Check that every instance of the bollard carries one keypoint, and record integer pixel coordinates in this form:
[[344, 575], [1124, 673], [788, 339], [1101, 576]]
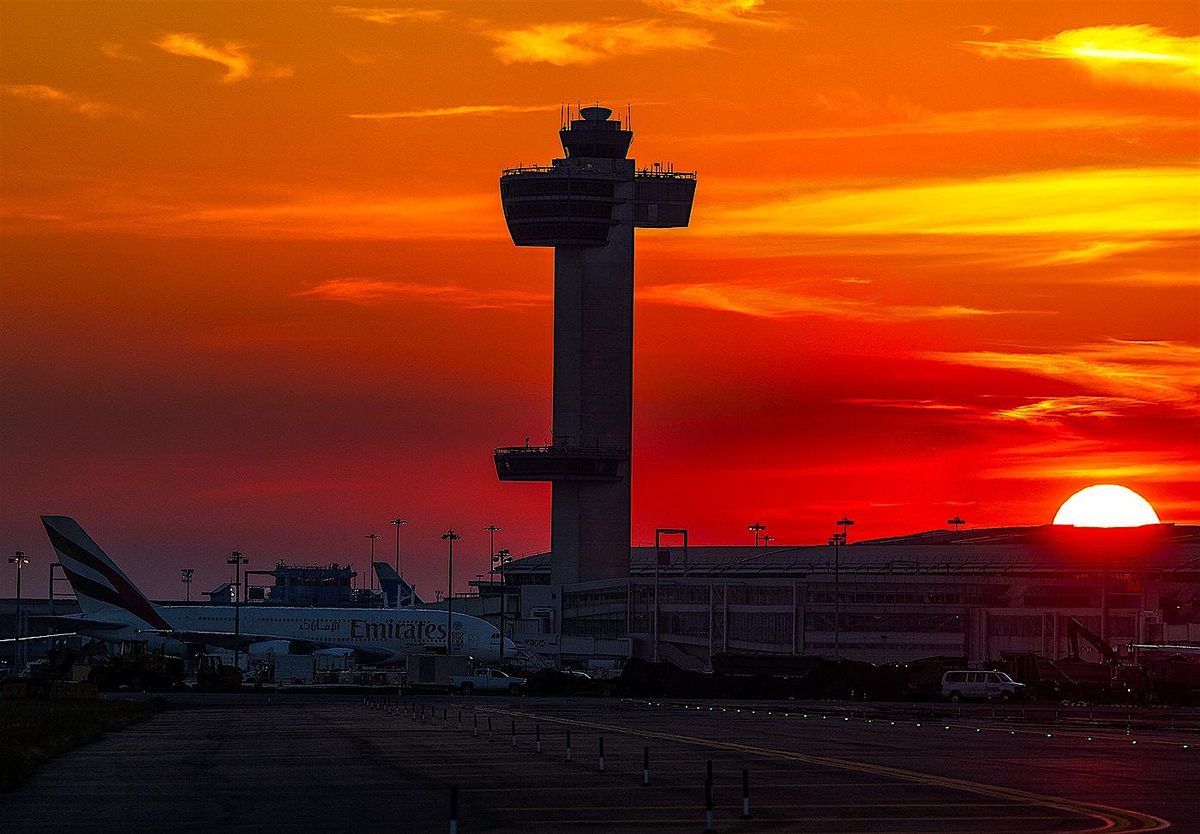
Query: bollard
[[491, 732], [537, 735], [646, 765], [475, 729], [514, 734], [568, 757], [460, 719], [708, 805], [745, 793], [445, 719], [454, 809], [601, 762]]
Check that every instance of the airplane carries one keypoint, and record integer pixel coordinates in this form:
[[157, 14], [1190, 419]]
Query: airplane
[[114, 609], [392, 584]]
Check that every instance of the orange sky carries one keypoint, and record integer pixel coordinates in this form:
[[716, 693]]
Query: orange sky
[[258, 294]]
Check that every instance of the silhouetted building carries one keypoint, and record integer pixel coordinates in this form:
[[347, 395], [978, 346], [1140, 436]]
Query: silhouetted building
[[975, 594], [587, 206]]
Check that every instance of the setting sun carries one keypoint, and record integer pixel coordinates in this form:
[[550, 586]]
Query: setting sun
[[1106, 505]]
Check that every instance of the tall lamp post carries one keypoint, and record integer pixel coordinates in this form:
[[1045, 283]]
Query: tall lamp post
[[491, 530], [837, 541], [955, 522], [767, 539], [237, 559], [398, 523], [450, 537], [20, 560], [502, 558], [185, 576], [373, 537], [756, 528]]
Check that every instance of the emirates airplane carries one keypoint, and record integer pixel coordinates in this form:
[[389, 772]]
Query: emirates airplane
[[114, 609]]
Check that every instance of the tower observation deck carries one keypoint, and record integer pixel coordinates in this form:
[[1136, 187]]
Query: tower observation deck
[[586, 206]]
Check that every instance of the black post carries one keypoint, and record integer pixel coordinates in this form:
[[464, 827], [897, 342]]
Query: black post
[[568, 756], [491, 734], [601, 762], [514, 734], [646, 765], [454, 809], [537, 735], [745, 793], [708, 801]]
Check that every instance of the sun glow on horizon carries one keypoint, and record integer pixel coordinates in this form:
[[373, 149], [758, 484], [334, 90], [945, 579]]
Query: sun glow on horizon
[[1106, 505]]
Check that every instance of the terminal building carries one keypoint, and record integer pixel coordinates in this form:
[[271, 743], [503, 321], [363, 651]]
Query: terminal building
[[971, 594]]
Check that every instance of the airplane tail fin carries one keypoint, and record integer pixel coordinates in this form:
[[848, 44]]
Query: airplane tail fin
[[392, 585], [99, 585]]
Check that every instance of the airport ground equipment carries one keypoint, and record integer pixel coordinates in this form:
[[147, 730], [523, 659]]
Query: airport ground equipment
[[488, 680]]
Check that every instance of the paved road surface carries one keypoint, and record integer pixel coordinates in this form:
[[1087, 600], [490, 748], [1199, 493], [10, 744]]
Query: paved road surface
[[323, 763]]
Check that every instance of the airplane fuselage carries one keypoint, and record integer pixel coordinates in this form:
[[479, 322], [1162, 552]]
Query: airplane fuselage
[[392, 632]]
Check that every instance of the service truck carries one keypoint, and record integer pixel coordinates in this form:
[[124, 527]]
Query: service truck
[[488, 680]]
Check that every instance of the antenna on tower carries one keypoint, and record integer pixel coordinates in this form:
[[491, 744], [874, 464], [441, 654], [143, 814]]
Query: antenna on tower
[[628, 116]]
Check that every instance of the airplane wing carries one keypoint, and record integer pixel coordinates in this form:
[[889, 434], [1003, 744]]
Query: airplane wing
[[38, 637], [77, 623], [243, 640]]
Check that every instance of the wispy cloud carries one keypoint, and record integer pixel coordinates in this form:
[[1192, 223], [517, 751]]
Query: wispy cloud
[[390, 16], [238, 63], [1093, 251], [744, 12], [783, 302], [993, 120], [1112, 202], [1162, 372], [1092, 463], [1143, 54], [906, 404], [306, 215], [374, 291], [562, 44], [1054, 411], [93, 108], [458, 110], [118, 52]]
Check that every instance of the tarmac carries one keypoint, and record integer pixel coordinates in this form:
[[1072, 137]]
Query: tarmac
[[299, 762]]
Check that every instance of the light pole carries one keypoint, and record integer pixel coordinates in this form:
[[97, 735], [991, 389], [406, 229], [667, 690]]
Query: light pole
[[20, 560], [371, 569], [236, 558], [450, 537], [756, 528], [838, 540], [955, 522], [491, 530], [185, 576], [398, 523], [501, 559], [767, 540]]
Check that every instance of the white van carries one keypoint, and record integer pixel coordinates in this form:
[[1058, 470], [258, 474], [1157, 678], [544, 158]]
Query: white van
[[984, 686]]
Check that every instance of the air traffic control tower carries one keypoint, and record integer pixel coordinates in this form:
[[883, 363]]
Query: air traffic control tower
[[586, 206]]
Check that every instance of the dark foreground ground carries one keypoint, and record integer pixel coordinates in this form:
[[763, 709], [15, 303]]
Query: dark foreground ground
[[328, 763]]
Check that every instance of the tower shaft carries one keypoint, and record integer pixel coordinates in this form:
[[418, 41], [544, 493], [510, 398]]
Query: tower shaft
[[587, 206]]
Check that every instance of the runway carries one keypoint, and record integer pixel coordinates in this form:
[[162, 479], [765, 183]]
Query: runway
[[316, 763]]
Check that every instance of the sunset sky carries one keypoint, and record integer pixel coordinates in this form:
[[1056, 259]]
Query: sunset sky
[[257, 292]]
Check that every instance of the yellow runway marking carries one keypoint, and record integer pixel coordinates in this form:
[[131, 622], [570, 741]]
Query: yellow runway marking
[[1111, 819]]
